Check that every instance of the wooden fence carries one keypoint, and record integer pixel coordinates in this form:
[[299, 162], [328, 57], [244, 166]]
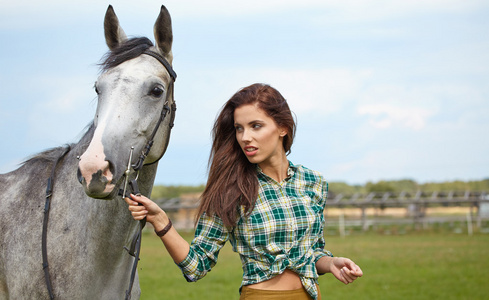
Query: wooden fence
[[420, 209], [372, 209]]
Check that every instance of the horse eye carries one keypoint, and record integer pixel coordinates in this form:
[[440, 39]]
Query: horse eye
[[156, 92], [96, 89]]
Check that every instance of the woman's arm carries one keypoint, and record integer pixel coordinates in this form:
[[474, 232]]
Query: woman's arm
[[344, 269], [177, 247]]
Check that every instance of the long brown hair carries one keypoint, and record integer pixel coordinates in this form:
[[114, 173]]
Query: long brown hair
[[232, 180]]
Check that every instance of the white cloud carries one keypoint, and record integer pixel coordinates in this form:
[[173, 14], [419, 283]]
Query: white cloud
[[11, 164], [64, 94], [68, 106], [360, 11], [346, 10], [407, 105], [378, 164], [70, 101], [383, 116], [33, 12], [324, 91]]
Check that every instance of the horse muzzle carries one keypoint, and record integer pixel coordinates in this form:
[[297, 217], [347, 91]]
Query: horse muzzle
[[96, 176]]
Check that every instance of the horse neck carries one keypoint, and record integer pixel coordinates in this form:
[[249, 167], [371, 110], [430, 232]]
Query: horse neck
[[146, 179]]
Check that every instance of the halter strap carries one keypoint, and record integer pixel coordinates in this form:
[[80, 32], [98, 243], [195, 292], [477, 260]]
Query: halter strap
[[139, 164], [164, 62], [47, 206]]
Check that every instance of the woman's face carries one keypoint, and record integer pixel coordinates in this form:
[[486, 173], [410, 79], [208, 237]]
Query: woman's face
[[258, 135]]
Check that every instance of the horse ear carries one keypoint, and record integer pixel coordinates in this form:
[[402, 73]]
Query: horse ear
[[114, 35], [163, 32]]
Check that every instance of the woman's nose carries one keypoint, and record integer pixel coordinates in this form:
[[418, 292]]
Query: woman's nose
[[246, 136]]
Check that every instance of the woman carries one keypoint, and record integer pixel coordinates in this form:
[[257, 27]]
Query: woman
[[268, 208]]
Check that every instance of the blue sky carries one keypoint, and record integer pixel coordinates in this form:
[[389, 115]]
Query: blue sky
[[382, 90]]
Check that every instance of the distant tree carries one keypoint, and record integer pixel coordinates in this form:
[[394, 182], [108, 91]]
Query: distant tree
[[338, 187], [404, 185], [482, 185], [381, 186], [174, 191]]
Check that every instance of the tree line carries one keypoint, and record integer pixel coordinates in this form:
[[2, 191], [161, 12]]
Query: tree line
[[395, 186], [410, 186]]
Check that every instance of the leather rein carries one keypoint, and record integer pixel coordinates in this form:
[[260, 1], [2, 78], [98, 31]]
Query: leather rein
[[135, 247]]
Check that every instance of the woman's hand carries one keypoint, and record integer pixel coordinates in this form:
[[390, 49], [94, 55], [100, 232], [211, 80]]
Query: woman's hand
[[149, 210], [174, 243], [344, 269]]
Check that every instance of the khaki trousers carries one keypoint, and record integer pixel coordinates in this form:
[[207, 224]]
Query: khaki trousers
[[256, 294]]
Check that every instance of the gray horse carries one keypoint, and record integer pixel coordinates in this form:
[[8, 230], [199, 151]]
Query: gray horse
[[86, 237]]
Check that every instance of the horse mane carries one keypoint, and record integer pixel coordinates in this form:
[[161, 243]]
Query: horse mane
[[49, 155], [52, 154], [129, 49]]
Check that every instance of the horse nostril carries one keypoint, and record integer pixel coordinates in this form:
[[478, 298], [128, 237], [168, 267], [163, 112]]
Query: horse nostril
[[79, 175], [109, 170]]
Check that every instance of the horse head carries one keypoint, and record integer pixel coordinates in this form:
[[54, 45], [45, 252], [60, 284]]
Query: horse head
[[135, 91]]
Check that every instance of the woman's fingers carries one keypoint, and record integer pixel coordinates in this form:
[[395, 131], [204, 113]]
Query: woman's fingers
[[142, 207], [138, 216], [348, 270], [354, 268], [348, 275], [133, 205], [357, 271], [130, 201], [138, 212], [136, 200]]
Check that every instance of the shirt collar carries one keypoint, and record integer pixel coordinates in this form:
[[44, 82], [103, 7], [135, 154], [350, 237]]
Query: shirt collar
[[290, 171]]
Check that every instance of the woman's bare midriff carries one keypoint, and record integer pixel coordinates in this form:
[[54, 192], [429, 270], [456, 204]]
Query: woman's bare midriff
[[286, 281]]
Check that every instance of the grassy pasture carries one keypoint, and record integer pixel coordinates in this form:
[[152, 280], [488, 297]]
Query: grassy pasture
[[423, 265]]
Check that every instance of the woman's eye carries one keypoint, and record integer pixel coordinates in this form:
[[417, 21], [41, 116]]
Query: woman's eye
[[256, 126], [156, 92]]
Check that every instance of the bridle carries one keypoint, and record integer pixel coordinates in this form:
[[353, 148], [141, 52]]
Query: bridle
[[135, 247], [139, 164]]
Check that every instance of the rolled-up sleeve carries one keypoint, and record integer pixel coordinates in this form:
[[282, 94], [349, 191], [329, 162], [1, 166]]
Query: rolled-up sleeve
[[318, 247], [210, 237]]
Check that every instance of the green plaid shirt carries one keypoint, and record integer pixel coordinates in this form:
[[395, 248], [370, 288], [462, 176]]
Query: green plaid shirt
[[284, 231]]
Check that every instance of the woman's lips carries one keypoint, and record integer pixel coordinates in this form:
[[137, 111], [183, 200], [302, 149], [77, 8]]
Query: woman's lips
[[250, 151]]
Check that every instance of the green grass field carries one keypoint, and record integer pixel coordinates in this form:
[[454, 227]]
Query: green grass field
[[412, 266]]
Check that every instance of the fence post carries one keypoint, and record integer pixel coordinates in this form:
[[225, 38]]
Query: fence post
[[364, 219], [341, 222]]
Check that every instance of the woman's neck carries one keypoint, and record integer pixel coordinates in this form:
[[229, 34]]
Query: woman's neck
[[276, 169]]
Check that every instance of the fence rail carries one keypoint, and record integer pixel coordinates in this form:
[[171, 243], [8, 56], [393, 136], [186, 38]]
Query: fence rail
[[404, 198], [367, 210]]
